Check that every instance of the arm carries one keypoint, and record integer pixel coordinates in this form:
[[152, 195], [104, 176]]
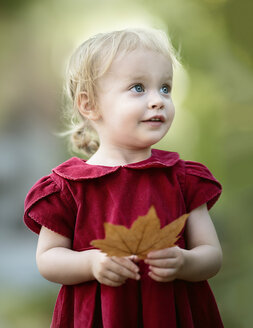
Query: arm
[[201, 261], [57, 262]]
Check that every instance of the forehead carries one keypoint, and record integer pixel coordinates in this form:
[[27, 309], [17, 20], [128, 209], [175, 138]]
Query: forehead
[[140, 62]]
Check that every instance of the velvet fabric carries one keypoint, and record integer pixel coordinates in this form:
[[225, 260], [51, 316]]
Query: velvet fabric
[[77, 198]]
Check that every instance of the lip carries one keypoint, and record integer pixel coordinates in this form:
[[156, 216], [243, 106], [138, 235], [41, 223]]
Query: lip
[[159, 118]]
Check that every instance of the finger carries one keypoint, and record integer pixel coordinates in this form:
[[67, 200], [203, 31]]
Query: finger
[[126, 263], [162, 263], [134, 258], [115, 277], [122, 270], [162, 274], [163, 253], [111, 283], [158, 278]]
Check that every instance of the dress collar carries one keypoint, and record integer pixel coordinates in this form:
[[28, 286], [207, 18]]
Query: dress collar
[[77, 169]]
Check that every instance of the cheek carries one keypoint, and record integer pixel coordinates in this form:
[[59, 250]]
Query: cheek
[[119, 121], [171, 111], [127, 114]]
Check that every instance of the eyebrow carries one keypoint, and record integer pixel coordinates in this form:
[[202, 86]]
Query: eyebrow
[[138, 77], [143, 77], [168, 77]]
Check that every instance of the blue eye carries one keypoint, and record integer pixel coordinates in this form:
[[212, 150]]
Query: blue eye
[[165, 89], [138, 88]]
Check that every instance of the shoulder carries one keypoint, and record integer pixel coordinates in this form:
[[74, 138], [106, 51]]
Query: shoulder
[[195, 171], [198, 169], [184, 168], [52, 183], [42, 188], [50, 203], [200, 186]]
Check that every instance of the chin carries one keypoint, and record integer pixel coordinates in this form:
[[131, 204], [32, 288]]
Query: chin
[[148, 143], [154, 140]]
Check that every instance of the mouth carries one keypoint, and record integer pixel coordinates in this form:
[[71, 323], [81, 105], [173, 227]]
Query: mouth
[[156, 118]]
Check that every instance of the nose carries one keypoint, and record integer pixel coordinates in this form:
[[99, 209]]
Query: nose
[[155, 101]]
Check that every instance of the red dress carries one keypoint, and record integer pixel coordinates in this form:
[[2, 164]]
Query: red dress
[[77, 198]]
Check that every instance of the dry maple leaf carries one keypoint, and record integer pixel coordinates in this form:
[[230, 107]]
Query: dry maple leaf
[[143, 237]]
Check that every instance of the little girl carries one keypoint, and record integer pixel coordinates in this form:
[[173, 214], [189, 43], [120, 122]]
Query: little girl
[[120, 84]]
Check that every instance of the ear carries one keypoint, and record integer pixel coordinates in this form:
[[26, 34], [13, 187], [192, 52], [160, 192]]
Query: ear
[[85, 108]]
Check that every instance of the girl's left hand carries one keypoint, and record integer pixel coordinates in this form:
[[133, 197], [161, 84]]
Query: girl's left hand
[[165, 264]]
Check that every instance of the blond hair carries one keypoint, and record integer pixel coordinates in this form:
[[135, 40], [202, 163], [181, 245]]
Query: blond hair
[[90, 61]]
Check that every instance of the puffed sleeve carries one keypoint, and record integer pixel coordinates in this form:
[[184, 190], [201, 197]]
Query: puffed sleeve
[[200, 186], [47, 204]]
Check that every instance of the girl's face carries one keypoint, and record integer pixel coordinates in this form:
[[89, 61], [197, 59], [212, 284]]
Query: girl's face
[[134, 100]]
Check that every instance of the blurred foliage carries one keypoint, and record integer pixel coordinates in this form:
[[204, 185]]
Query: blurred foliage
[[26, 309], [12, 6], [212, 93]]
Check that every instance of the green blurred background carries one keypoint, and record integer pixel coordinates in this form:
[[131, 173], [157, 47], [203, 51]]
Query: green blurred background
[[213, 97]]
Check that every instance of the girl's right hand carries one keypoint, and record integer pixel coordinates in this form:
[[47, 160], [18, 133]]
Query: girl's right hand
[[113, 271]]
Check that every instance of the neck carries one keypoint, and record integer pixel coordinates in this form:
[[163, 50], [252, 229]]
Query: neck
[[113, 156]]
